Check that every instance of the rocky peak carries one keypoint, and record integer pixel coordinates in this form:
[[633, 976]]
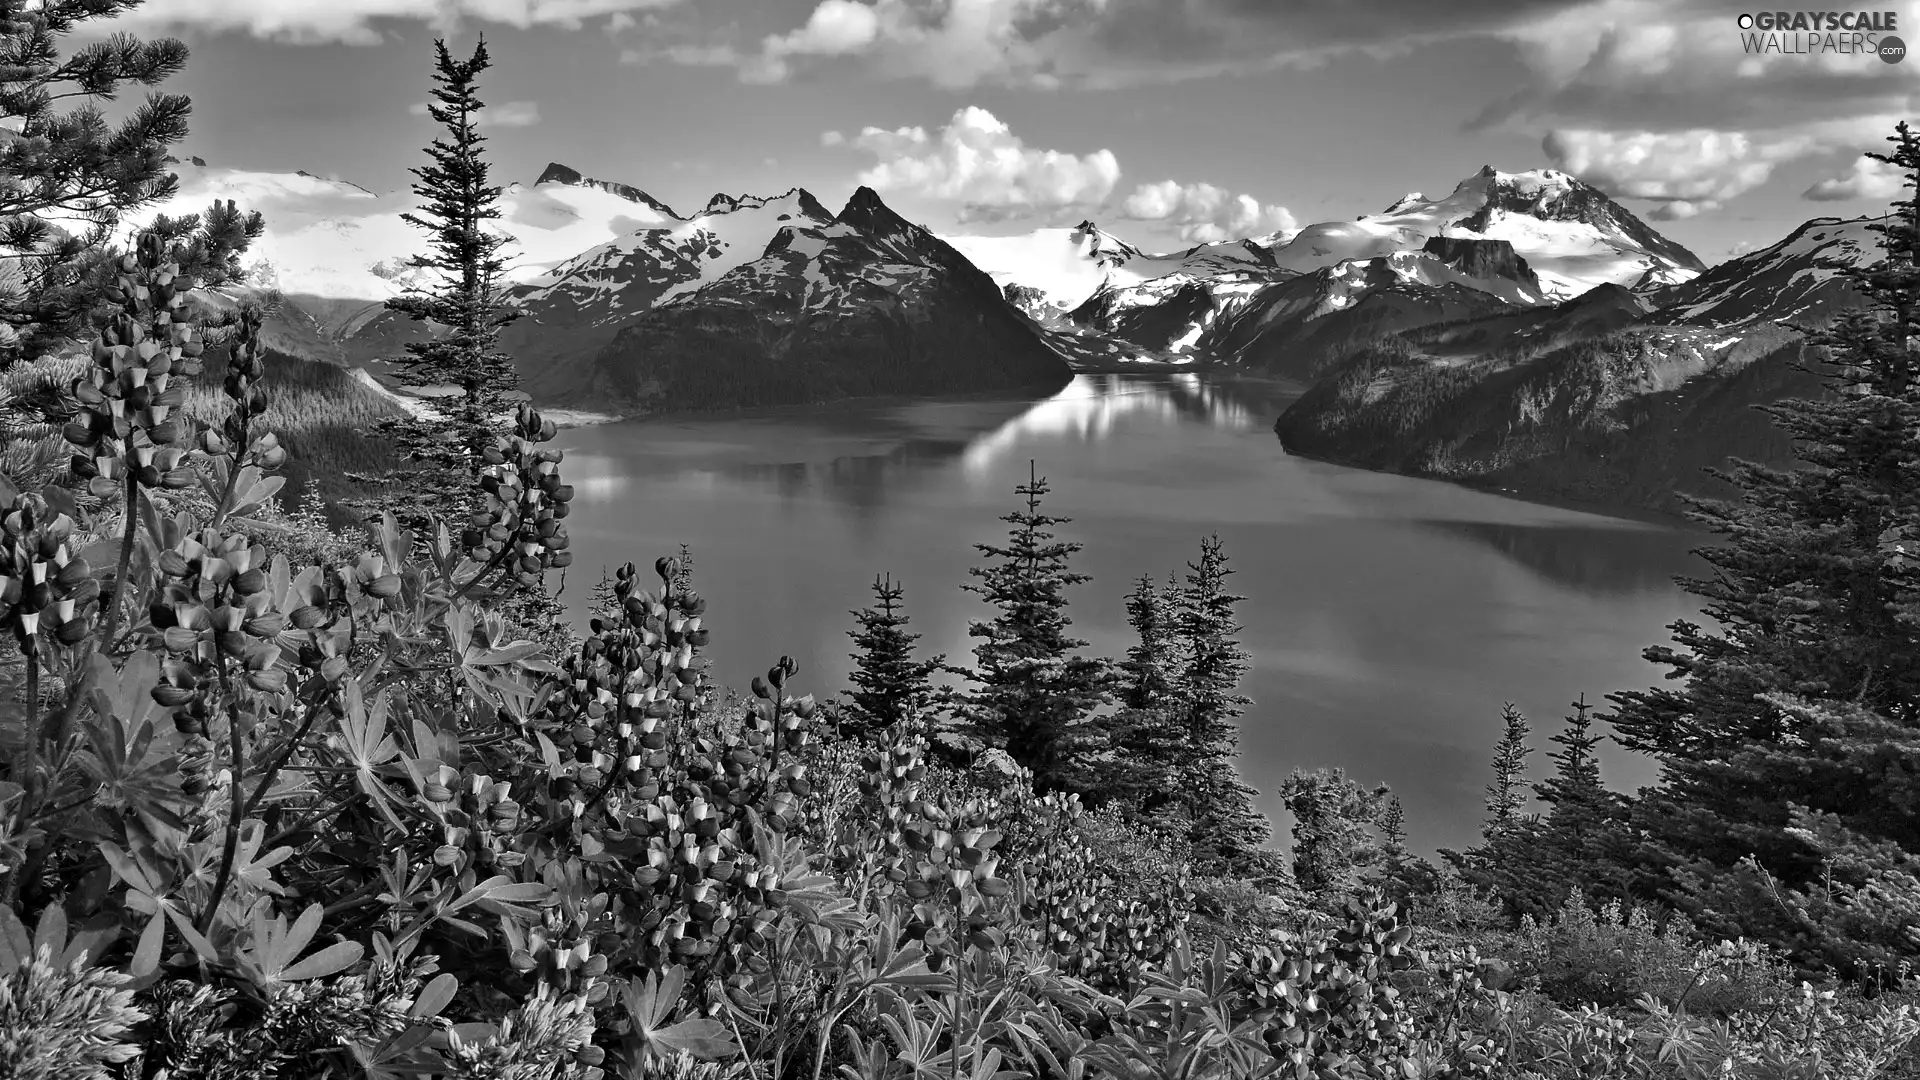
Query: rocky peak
[[1552, 195], [1482, 258], [868, 213], [556, 173], [722, 203]]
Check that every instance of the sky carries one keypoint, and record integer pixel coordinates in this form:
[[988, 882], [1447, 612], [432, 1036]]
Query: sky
[[1167, 121]]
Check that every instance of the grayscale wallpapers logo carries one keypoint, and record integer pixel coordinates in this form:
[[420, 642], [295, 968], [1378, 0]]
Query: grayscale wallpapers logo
[[1813, 33]]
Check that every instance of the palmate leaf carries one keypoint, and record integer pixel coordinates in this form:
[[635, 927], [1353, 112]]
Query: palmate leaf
[[650, 1002], [150, 892], [272, 954], [365, 742], [17, 947]]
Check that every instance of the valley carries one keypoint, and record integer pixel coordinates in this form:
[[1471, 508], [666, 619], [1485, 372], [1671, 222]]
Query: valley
[[1523, 333]]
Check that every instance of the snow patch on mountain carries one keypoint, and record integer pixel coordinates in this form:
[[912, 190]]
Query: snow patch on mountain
[[1572, 236], [1067, 266], [1348, 282], [334, 239], [1789, 280], [677, 257]]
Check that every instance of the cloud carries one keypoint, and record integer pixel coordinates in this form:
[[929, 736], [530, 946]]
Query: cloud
[[959, 44], [1203, 214], [836, 28], [1681, 65], [311, 22], [977, 161], [505, 114], [1686, 171], [1865, 179]]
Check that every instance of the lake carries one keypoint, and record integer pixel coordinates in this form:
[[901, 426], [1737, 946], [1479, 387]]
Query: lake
[[1388, 618]]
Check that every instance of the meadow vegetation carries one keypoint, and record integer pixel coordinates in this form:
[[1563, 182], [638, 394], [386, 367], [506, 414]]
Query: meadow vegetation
[[291, 797]]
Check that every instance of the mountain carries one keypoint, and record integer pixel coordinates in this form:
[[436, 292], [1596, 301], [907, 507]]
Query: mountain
[[1570, 232], [1788, 280], [864, 304], [1524, 239], [574, 309], [589, 257], [1617, 396], [1296, 328]]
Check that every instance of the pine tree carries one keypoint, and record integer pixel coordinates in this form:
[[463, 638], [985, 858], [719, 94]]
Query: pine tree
[[1219, 807], [1783, 746], [1034, 695], [472, 380], [891, 686], [1575, 782], [1400, 872], [1504, 797], [1335, 831], [1144, 734], [1147, 681], [67, 179]]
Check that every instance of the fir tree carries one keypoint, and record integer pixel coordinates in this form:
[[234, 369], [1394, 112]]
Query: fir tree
[[472, 380], [1504, 797], [67, 179], [1575, 782], [1144, 735], [1034, 695], [1784, 746], [1532, 862], [1147, 679], [1335, 831], [891, 687], [1218, 806], [1400, 872]]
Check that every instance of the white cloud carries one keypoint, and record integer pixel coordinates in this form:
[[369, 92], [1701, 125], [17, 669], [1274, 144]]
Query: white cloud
[[836, 28], [978, 162], [975, 160], [1686, 171], [1202, 213], [1684, 64], [505, 114], [312, 22], [1865, 179]]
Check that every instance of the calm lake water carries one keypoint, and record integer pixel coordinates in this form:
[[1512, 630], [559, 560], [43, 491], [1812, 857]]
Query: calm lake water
[[1388, 618]]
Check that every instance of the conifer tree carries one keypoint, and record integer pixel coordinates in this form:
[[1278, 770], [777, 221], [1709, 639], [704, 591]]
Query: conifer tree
[[1219, 807], [1034, 694], [1504, 797], [1144, 733], [1147, 672], [1575, 783], [67, 179], [1403, 874], [472, 381], [1532, 861], [891, 687], [1784, 810], [1336, 838]]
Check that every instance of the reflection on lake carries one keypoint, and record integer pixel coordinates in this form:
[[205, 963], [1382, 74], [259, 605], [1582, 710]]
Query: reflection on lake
[[1388, 617]]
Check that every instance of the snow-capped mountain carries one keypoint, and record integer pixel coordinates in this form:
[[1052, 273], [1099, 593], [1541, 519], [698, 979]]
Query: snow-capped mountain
[[1294, 328], [865, 303], [1571, 233], [1064, 266], [1198, 303], [575, 308], [1793, 280], [1618, 396]]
